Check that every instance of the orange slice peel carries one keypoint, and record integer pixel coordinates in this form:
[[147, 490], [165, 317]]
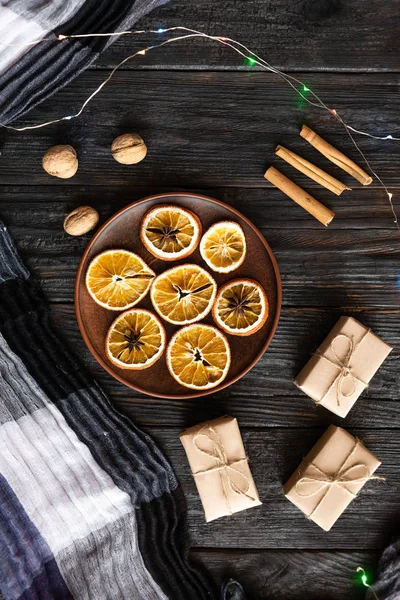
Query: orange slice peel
[[223, 246], [135, 340], [241, 307], [118, 279], [183, 294], [198, 356], [170, 232]]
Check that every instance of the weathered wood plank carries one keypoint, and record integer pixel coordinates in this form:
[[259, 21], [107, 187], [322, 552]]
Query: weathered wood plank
[[47, 206], [211, 129], [318, 268], [274, 454], [265, 397], [291, 575], [292, 35]]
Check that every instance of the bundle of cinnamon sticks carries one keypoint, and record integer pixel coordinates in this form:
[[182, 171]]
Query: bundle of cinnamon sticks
[[296, 193]]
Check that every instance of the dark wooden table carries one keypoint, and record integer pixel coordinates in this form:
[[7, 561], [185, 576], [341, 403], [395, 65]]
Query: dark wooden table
[[211, 124]]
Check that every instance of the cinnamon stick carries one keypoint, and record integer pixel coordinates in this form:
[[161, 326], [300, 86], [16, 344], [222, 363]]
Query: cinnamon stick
[[313, 172], [296, 193], [335, 155]]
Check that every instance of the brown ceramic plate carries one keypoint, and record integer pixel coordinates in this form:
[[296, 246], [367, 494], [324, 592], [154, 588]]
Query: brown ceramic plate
[[122, 231]]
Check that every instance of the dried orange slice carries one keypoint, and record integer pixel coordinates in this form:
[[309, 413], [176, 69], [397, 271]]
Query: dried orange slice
[[135, 340], [241, 307], [183, 294], [170, 232], [198, 356], [118, 279], [223, 246]]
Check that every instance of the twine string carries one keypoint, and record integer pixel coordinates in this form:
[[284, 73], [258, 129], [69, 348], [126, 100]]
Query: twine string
[[341, 478], [344, 366], [223, 466]]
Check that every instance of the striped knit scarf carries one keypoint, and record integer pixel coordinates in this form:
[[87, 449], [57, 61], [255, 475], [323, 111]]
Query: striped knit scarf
[[31, 73], [89, 506]]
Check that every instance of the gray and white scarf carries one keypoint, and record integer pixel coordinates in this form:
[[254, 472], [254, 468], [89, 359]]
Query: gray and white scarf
[[29, 72]]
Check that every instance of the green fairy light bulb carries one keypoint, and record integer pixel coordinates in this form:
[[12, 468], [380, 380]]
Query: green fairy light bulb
[[364, 581]]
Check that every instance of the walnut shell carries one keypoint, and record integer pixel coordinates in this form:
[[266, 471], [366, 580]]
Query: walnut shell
[[129, 149], [81, 220], [60, 161]]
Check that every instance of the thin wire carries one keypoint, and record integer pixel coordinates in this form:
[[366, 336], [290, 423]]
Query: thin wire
[[262, 63], [113, 34], [135, 32], [62, 37], [100, 87], [389, 194], [375, 137], [238, 48], [365, 582]]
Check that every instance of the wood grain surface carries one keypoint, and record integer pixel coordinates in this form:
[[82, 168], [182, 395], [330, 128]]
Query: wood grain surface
[[348, 35], [211, 124], [207, 129], [274, 575]]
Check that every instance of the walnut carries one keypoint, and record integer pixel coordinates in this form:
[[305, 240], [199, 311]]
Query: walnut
[[81, 220], [60, 161], [129, 149]]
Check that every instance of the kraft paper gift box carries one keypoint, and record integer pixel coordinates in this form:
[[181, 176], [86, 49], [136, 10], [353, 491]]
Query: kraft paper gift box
[[220, 467], [330, 476], [342, 366]]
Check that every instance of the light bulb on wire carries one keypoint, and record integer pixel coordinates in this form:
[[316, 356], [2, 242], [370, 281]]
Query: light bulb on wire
[[364, 581]]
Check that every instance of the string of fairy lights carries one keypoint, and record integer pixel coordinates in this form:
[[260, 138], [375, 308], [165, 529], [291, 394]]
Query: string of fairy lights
[[252, 59]]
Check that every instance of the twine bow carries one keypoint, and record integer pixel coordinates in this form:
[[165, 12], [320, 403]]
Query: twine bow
[[344, 366], [223, 466], [341, 479]]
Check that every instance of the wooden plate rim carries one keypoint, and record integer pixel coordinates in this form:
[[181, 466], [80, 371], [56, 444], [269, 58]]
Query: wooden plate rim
[[223, 385]]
